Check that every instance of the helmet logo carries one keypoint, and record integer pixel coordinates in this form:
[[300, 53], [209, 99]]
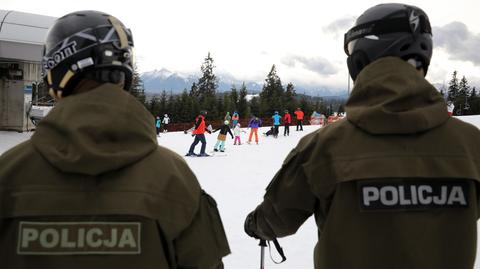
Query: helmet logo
[[414, 21], [60, 55]]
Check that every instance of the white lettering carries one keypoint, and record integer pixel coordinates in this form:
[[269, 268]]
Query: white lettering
[[370, 194], [49, 238], [403, 200], [384, 197], [413, 192], [91, 242], [127, 238], [457, 195], [442, 198], [28, 235], [421, 197], [113, 239], [81, 238], [64, 242]]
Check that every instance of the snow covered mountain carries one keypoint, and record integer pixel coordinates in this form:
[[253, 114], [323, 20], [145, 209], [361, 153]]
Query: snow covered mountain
[[157, 81]]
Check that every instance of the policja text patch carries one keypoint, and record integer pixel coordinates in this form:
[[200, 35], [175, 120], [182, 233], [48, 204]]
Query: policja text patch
[[78, 238], [412, 195]]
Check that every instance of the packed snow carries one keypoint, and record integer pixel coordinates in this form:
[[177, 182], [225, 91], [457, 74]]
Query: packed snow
[[237, 180]]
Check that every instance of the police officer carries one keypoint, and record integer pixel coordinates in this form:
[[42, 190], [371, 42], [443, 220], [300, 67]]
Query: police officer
[[92, 188], [394, 185]]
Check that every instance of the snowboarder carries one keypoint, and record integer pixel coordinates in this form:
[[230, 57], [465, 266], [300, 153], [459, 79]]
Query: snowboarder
[[235, 119], [199, 133], [92, 188], [166, 122], [237, 132], [299, 116], [157, 125], [254, 124], [222, 136], [287, 119], [276, 123], [388, 185]]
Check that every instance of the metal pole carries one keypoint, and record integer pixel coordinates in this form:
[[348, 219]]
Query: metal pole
[[262, 245]]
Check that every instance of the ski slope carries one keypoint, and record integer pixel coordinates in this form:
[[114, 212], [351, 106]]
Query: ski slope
[[237, 181]]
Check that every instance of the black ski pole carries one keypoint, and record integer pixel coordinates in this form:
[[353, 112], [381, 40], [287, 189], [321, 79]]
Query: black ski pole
[[262, 245]]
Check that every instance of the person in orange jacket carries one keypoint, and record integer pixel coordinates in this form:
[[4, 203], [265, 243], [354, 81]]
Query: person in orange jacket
[[199, 133], [299, 115]]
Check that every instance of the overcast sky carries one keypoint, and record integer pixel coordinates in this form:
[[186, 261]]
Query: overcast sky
[[303, 38]]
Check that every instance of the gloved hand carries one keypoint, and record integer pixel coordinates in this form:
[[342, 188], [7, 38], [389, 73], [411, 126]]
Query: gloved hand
[[249, 225], [193, 135]]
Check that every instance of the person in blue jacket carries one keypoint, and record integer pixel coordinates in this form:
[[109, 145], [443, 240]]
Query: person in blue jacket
[[276, 123], [158, 122]]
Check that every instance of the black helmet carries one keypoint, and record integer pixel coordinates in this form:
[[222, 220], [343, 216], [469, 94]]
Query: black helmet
[[389, 30], [87, 44]]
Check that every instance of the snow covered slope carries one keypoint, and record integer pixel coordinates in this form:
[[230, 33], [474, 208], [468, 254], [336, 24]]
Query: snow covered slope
[[237, 181]]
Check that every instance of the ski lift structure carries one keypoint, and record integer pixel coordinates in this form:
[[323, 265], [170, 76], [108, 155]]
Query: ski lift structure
[[21, 43]]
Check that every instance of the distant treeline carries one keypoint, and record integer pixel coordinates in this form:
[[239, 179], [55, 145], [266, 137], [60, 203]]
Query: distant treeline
[[203, 95]]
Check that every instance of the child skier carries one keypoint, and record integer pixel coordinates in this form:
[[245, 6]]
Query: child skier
[[165, 121], [254, 123], [236, 132], [222, 136], [157, 125]]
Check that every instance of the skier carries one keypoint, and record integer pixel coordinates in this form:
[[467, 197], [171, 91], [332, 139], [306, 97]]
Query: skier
[[92, 188], [199, 133], [287, 119], [228, 117], [237, 132], [254, 124], [166, 122], [396, 184], [235, 119], [299, 115], [276, 123], [157, 125], [450, 108], [222, 136]]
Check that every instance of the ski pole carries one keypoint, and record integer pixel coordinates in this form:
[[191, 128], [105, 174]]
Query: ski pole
[[262, 245]]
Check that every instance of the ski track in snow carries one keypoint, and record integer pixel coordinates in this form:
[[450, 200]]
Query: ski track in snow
[[237, 181]]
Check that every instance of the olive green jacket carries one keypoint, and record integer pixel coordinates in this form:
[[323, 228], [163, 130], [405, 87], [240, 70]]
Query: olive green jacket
[[93, 165], [397, 131]]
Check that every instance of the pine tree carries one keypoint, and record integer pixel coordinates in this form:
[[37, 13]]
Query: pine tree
[[137, 89], [453, 88], [272, 94], [242, 108], [463, 93], [234, 98], [290, 100], [254, 107], [207, 86]]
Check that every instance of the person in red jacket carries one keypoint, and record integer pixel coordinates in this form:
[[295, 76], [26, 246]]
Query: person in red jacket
[[299, 115], [199, 133], [287, 119]]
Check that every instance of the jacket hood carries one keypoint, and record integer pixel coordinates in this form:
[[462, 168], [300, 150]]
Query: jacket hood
[[97, 131], [391, 97]]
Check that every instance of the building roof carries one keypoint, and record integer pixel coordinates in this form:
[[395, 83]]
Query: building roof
[[22, 35]]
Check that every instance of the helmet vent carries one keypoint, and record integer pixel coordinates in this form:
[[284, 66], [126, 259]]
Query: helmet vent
[[405, 47]]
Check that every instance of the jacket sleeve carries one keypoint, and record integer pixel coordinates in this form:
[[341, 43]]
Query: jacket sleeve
[[288, 201], [204, 243]]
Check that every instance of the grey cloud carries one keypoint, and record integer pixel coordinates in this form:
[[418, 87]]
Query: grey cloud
[[458, 41], [317, 64], [340, 26]]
